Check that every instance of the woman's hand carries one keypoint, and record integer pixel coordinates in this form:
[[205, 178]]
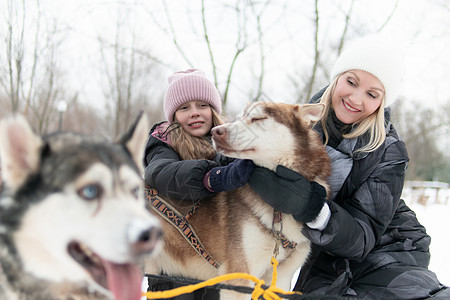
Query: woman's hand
[[289, 192]]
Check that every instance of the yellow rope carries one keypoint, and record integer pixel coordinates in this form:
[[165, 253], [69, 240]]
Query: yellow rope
[[268, 294], [274, 263]]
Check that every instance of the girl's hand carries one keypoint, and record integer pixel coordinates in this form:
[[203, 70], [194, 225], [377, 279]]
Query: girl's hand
[[230, 177]]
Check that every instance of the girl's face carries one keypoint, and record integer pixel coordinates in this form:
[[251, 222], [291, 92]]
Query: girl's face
[[195, 117], [357, 95]]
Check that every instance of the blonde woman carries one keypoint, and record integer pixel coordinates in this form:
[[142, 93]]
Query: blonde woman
[[367, 242]]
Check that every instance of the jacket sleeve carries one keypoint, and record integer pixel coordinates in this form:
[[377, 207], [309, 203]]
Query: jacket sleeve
[[357, 223], [172, 177]]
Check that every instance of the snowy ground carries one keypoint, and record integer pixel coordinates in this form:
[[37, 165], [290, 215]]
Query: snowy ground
[[436, 219], [435, 216]]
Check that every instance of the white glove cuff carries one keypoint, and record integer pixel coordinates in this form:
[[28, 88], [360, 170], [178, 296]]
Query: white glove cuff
[[321, 221]]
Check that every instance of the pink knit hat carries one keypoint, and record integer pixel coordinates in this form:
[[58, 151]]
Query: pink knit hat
[[185, 86]]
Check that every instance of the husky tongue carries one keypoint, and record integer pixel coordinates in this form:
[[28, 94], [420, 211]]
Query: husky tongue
[[124, 280]]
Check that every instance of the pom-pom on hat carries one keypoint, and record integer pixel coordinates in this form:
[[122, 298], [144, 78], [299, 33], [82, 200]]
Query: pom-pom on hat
[[380, 57], [185, 86]]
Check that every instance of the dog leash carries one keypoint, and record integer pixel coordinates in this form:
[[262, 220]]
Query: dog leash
[[180, 222], [270, 293]]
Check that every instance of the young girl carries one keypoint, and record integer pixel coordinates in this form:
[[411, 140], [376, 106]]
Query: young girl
[[180, 160], [367, 242]]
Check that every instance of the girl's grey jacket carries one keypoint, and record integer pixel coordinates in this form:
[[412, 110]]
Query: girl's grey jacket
[[373, 246]]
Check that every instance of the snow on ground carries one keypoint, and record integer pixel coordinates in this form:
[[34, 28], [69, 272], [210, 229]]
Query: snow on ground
[[432, 207], [436, 219], [433, 212]]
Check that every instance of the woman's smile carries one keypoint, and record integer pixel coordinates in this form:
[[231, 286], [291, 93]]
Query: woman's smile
[[357, 95], [349, 107]]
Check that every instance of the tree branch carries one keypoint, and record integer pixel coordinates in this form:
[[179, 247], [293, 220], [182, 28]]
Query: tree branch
[[208, 44], [261, 48], [344, 33], [174, 39], [389, 17], [316, 53]]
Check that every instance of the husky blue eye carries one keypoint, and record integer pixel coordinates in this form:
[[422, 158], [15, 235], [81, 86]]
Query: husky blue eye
[[135, 192], [90, 192]]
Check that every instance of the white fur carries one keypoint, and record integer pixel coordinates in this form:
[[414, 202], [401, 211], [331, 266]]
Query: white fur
[[64, 217], [19, 151], [259, 137], [109, 225], [277, 148]]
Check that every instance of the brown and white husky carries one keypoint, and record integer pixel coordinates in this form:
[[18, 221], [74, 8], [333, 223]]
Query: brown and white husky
[[236, 227]]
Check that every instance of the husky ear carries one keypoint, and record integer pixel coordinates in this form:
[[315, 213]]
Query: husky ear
[[311, 113], [136, 139], [19, 151]]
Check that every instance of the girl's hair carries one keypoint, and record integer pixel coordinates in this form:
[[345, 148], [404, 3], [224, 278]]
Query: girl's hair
[[194, 147], [374, 124]]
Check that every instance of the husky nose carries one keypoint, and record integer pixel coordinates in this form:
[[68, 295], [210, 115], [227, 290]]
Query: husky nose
[[144, 237], [147, 240], [219, 131]]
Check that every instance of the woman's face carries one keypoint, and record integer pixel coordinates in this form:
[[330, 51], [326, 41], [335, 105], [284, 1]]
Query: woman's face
[[357, 95], [195, 117]]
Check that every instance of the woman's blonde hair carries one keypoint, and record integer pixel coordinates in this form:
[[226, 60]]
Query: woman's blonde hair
[[194, 147], [374, 124]]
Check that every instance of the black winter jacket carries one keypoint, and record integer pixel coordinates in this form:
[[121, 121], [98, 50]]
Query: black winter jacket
[[173, 177], [370, 226]]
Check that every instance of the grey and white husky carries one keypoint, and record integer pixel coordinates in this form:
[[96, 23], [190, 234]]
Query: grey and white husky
[[73, 220]]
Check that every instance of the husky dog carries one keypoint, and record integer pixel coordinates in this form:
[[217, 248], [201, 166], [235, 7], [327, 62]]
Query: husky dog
[[237, 228], [73, 219]]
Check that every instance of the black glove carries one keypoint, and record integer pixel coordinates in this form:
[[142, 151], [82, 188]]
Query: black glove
[[289, 192], [229, 177], [223, 160]]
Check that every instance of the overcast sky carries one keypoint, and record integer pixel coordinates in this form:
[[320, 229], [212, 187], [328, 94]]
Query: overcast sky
[[421, 26]]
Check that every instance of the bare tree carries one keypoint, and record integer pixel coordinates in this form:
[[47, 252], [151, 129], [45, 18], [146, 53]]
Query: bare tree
[[258, 13], [32, 79], [128, 75], [320, 47], [424, 131], [15, 51], [243, 10], [81, 117], [312, 79]]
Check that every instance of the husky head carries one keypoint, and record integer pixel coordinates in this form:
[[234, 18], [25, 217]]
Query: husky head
[[73, 209], [274, 134]]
